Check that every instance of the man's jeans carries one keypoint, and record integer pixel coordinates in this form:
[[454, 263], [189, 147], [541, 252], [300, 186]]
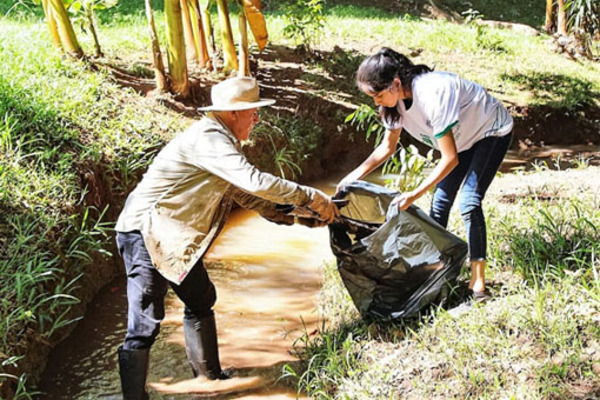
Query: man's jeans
[[146, 290], [476, 168]]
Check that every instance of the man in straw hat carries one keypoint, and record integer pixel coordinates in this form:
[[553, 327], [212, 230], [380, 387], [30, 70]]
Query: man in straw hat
[[171, 218]]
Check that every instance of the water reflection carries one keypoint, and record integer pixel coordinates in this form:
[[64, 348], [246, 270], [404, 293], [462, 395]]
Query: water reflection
[[267, 278]]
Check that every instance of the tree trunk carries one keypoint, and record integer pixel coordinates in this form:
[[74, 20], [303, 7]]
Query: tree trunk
[[89, 12], [230, 59], [256, 20], [562, 18], [210, 37], [51, 24], [550, 27], [187, 30], [159, 68], [65, 29], [244, 69], [176, 48], [198, 31]]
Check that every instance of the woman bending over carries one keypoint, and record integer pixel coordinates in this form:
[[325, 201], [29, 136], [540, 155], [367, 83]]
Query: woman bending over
[[471, 129]]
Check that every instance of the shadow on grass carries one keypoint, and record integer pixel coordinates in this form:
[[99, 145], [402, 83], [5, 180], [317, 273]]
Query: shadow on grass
[[526, 12], [556, 90], [562, 111]]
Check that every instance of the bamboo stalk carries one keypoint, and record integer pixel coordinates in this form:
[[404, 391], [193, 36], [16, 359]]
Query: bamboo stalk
[[198, 31], [89, 12], [51, 24], [562, 18], [210, 37], [549, 25], [256, 21], [65, 29], [187, 30], [159, 67], [244, 67], [230, 59], [176, 48]]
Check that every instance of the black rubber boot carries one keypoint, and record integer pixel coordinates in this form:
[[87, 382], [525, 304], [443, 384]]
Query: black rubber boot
[[202, 348], [133, 368]]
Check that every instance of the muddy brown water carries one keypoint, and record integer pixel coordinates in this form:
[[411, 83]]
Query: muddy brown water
[[267, 278]]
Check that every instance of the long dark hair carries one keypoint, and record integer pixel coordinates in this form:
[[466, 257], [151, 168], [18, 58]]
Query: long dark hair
[[377, 72]]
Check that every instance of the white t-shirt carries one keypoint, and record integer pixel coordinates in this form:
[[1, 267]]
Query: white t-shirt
[[442, 102]]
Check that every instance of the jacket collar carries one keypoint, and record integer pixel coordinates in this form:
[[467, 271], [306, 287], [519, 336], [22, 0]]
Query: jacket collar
[[213, 118]]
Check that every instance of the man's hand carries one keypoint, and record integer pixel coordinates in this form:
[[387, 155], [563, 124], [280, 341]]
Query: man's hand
[[310, 222], [323, 205]]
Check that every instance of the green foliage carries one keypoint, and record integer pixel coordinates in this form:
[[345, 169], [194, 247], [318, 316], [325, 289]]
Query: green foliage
[[83, 6], [409, 166], [305, 22], [471, 15], [487, 41], [584, 22], [406, 163], [366, 119], [584, 15], [549, 241], [292, 141], [327, 359], [283, 158], [83, 11]]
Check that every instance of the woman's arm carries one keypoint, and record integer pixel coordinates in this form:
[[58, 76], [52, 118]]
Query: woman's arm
[[386, 148], [447, 163]]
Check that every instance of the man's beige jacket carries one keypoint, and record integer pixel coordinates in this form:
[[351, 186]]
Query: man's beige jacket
[[187, 192]]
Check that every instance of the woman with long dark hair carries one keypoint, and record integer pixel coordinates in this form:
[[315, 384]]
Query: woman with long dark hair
[[471, 129]]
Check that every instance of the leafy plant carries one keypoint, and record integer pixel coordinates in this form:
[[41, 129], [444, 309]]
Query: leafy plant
[[83, 11], [550, 241], [409, 166], [584, 21], [328, 358], [283, 158], [407, 163], [305, 22], [293, 141], [471, 15], [366, 119], [487, 41]]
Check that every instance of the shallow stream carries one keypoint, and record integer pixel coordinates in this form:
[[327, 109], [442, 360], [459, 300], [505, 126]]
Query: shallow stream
[[267, 278]]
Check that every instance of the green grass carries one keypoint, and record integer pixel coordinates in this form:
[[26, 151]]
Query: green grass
[[66, 133], [291, 142], [537, 339]]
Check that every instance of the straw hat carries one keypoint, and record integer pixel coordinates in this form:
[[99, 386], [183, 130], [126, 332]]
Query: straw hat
[[240, 93]]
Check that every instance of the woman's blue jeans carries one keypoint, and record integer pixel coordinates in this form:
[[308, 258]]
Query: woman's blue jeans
[[475, 171]]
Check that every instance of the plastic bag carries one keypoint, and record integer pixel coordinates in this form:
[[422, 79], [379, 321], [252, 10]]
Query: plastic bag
[[393, 263]]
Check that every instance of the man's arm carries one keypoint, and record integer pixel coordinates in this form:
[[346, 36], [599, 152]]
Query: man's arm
[[216, 153]]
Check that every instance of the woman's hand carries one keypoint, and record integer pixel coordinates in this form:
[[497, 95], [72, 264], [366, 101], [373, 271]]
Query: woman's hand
[[381, 153], [346, 181], [404, 200]]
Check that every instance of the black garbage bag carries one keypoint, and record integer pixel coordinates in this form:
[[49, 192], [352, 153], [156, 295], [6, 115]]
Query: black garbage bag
[[393, 263]]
